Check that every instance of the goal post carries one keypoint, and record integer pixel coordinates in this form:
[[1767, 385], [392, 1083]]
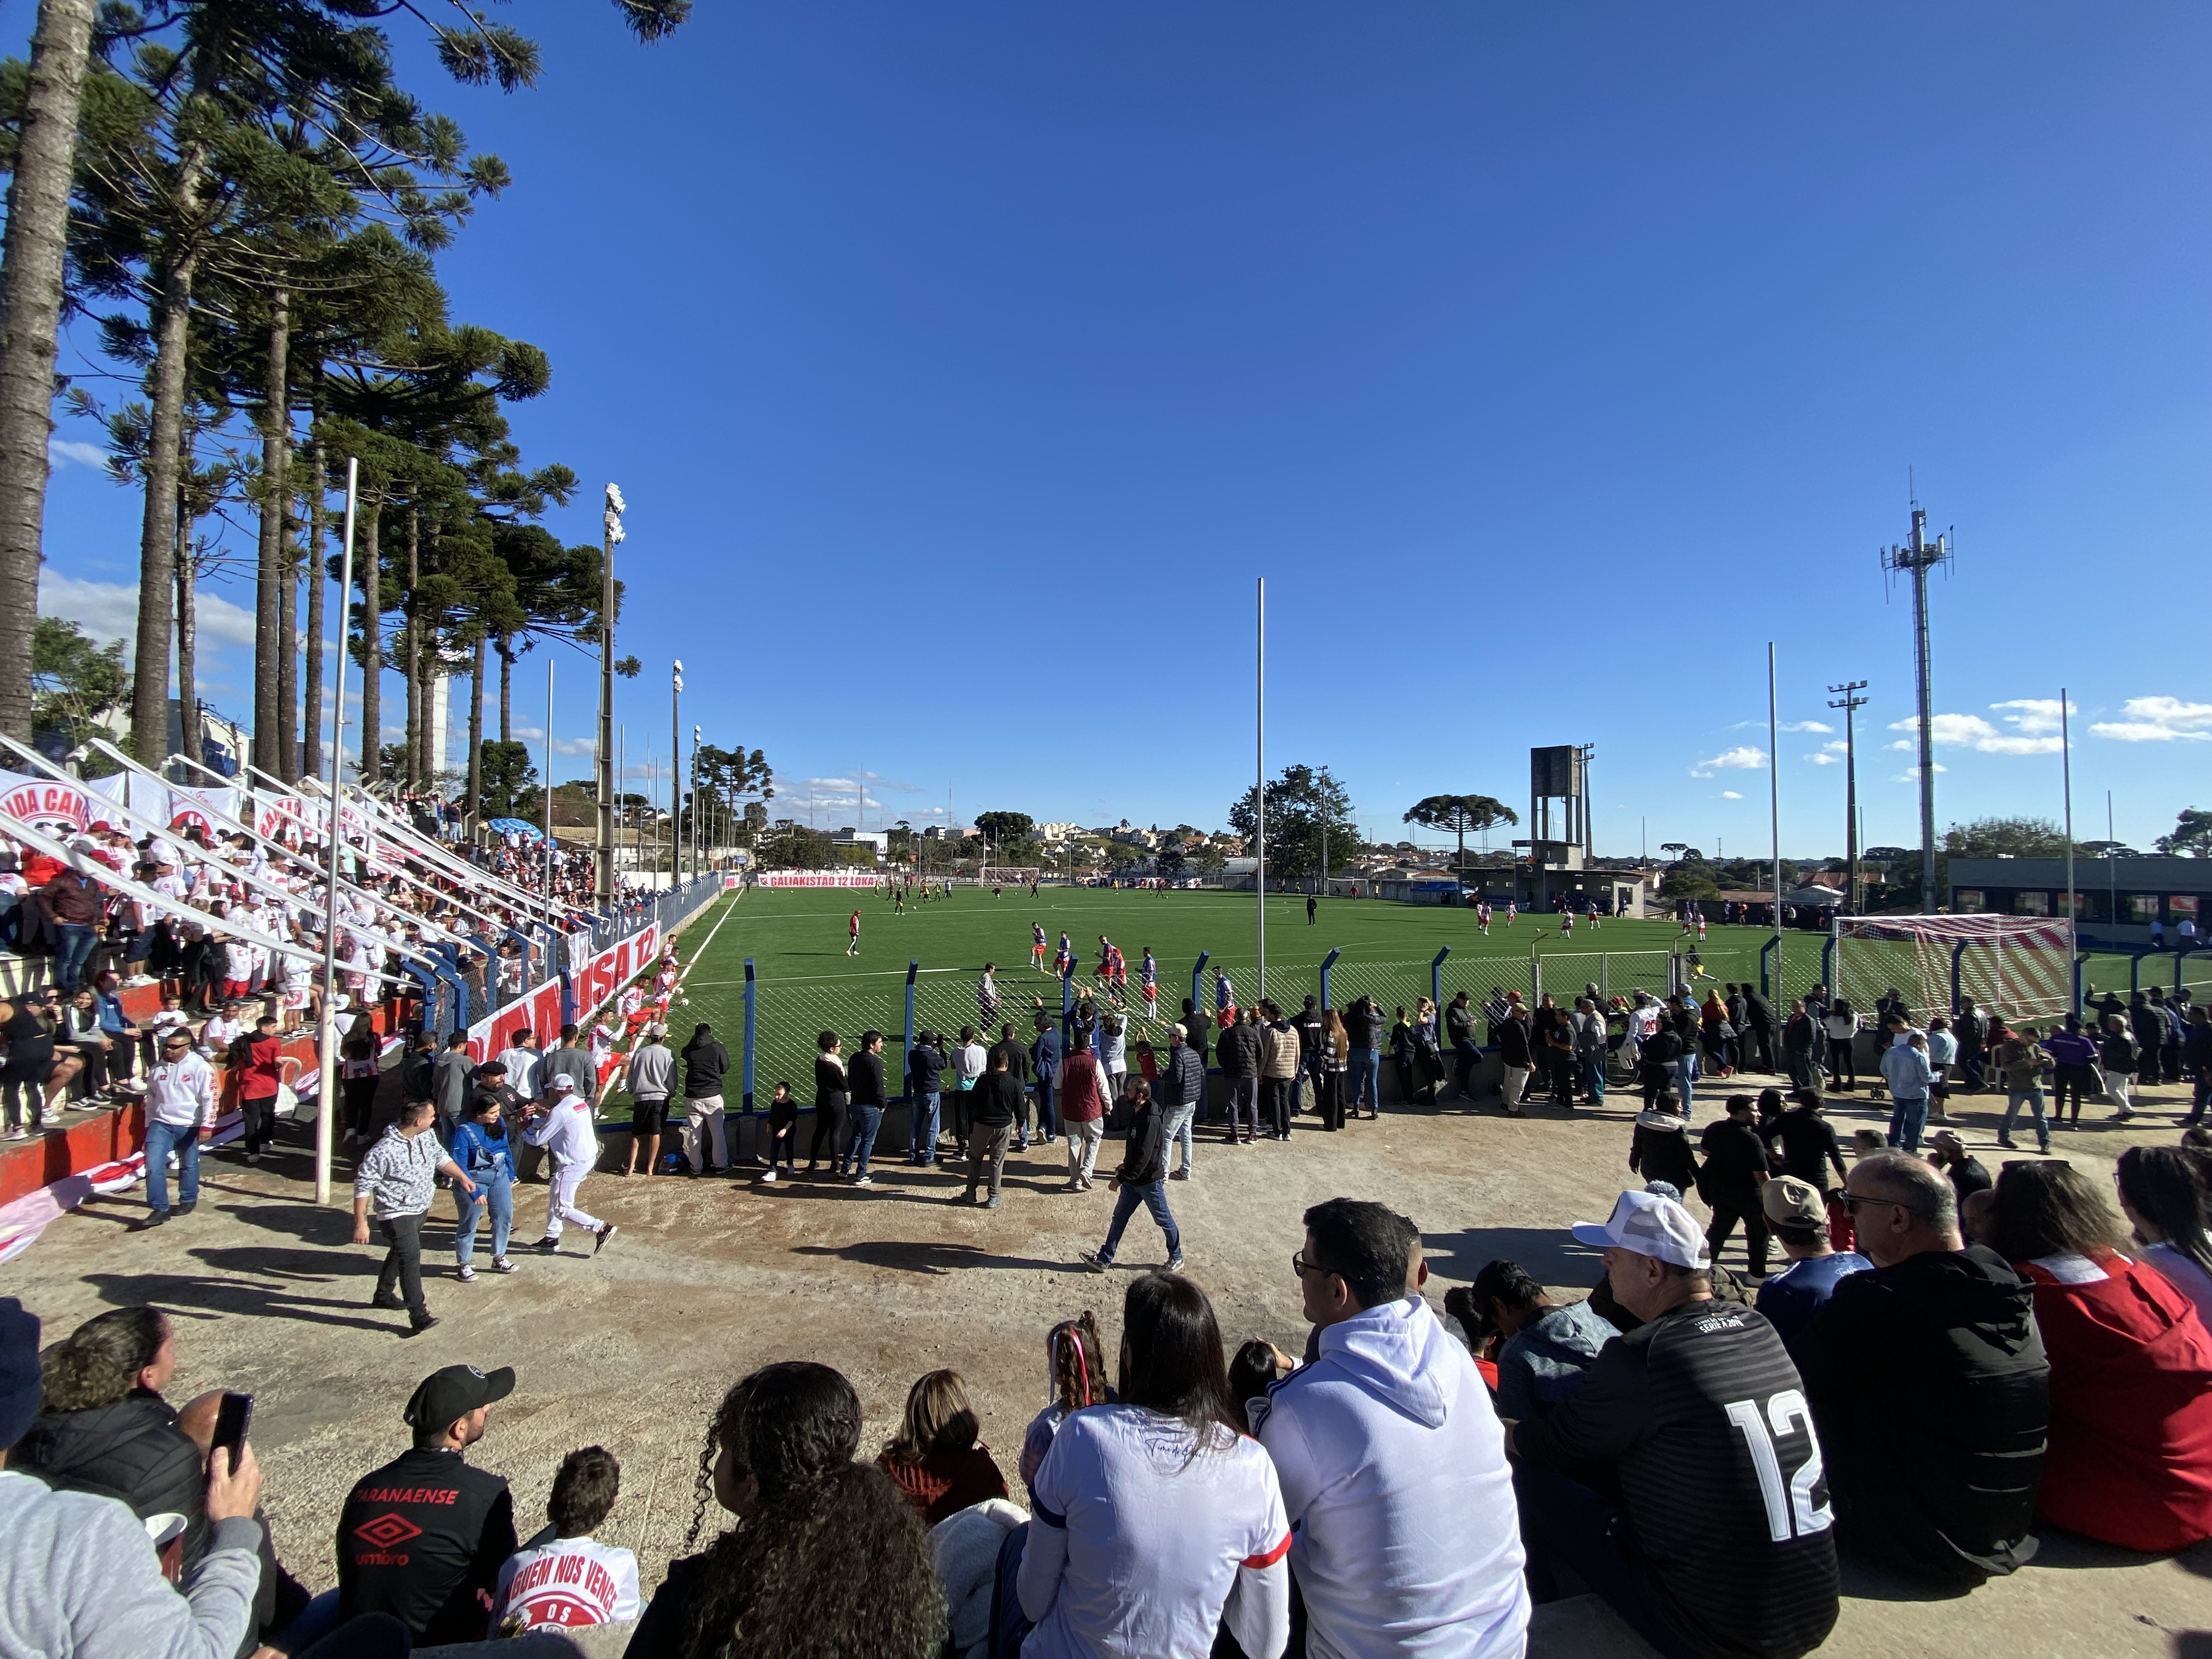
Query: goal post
[[2021, 967], [1006, 875]]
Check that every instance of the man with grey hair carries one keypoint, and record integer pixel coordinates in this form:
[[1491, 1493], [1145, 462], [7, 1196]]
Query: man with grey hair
[[1941, 1334]]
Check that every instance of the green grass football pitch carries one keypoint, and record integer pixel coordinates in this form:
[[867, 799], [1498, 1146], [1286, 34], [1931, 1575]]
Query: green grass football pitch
[[805, 983]]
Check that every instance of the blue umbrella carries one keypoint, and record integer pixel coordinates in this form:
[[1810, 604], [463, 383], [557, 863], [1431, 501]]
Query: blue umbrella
[[520, 827]]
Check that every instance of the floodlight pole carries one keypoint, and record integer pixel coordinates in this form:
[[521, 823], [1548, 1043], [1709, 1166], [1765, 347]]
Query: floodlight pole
[[1774, 803], [612, 529], [1916, 558], [1259, 788], [547, 851], [2073, 899], [1850, 702], [674, 773], [327, 1057]]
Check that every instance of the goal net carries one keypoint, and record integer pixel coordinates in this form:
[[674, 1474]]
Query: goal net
[[1007, 875], [2021, 967]]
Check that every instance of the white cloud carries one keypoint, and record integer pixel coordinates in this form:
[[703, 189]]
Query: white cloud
[[1744, 757], [573, 746], [2159, 719], [527, 733], [1831, 753], [1825, 760], [1973, 732], [2036, 717], [1730, 794], [1806, 725], [1911, 774], [64, 451], [109, 610]]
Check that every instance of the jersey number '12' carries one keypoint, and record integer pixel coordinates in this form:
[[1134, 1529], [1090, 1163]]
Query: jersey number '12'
[[1784, 1411]]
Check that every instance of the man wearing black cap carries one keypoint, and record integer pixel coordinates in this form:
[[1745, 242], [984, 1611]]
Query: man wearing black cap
[[423, 1538], [76, 1573]]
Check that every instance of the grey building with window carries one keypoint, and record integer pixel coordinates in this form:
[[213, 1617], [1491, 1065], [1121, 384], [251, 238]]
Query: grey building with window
[[2116, 900]]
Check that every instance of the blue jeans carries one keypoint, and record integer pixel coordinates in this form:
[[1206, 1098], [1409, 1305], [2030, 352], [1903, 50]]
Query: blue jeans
[[161, 1139], [1047, 1125], [1593, 1071], [2033, 1098], [495, 1191], [1153, 1195], [1366, 1082], [1906, 1121], [921, 1139], [1685, 1073], [78, 940], [865, 1121], [1179, 1121]]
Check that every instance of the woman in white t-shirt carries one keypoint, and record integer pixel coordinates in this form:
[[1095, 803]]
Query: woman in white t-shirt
[[1158, 1520]]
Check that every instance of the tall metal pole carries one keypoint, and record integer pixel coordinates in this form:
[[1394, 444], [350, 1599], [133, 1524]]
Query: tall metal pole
[[2072, 901], [611, 527], [1927, 726], [551, 845], [701, 842], [623, 820], [675, 771], [1259, 790], [1774, 804], [327, 1052], [1850, 702]]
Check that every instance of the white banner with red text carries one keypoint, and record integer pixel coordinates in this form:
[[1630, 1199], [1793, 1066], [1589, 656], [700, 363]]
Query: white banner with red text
[[817, 878]]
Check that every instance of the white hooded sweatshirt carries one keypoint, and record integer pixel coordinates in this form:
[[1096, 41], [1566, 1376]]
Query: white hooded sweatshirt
[[1405, 1539]]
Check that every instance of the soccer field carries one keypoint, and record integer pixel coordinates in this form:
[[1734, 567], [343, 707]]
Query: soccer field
[[805, 983]]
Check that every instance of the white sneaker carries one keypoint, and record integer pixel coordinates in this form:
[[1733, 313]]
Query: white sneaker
[[864, 1181], [769, 1178], [466, 1275]]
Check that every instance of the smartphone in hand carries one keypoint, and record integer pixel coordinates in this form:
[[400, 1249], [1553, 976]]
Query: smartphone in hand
[[233, 1417]]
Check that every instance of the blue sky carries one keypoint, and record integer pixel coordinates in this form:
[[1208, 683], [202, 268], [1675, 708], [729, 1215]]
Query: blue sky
[[963, 364]]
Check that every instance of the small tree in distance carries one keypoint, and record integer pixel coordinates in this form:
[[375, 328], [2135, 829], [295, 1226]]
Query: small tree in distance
[[1459, 814]]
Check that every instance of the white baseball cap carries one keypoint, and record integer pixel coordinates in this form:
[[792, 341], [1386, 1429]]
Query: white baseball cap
[[1649, 1224], [562, 1079]]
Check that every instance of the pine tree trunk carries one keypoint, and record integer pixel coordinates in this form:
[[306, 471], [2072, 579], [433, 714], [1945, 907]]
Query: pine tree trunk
[[372, 636], [417, 705], [319, 481], [506, 688], [288, 669], [433, 761], [271, 577], [188, 652], [157, 536], [476, 736], [30, 308]]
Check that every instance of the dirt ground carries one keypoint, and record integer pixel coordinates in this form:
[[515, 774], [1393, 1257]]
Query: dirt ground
[[707, 1279]]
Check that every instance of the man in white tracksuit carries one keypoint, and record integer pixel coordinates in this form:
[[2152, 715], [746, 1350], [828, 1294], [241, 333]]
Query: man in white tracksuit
[[1405, 1537], [562, 1123]]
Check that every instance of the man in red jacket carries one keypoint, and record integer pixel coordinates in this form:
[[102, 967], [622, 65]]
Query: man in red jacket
[[258, 1080]]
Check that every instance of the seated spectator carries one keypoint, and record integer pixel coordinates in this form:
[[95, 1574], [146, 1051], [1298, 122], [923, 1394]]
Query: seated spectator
[[76, 1573], [1799, 1218], [963, 1549], [1941, 1332], [2130, 1456], [1717, 1555], [1076, 1361], [2166, 1194], [1659, 1147], [1253, 1369], [458, 1521], [1967, 1173], [1544, 1349], [564, 1576], [827, 1559], [1390, 1458], [937, 1460], [1155, 1521]]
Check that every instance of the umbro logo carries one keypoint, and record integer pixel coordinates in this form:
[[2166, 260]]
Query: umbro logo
[[388, 1530]]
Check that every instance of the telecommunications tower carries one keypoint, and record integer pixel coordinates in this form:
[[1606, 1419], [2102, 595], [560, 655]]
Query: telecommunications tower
[[1916, 558]]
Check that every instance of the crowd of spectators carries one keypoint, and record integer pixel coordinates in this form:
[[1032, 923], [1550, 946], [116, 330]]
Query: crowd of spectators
[[1689, 1450]]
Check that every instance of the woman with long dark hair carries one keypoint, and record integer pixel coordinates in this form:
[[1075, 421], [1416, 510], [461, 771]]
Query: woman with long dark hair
[[827, 1560], [2165, 1195], [2129, 1457], [829, 1087], [1157, 1520]]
